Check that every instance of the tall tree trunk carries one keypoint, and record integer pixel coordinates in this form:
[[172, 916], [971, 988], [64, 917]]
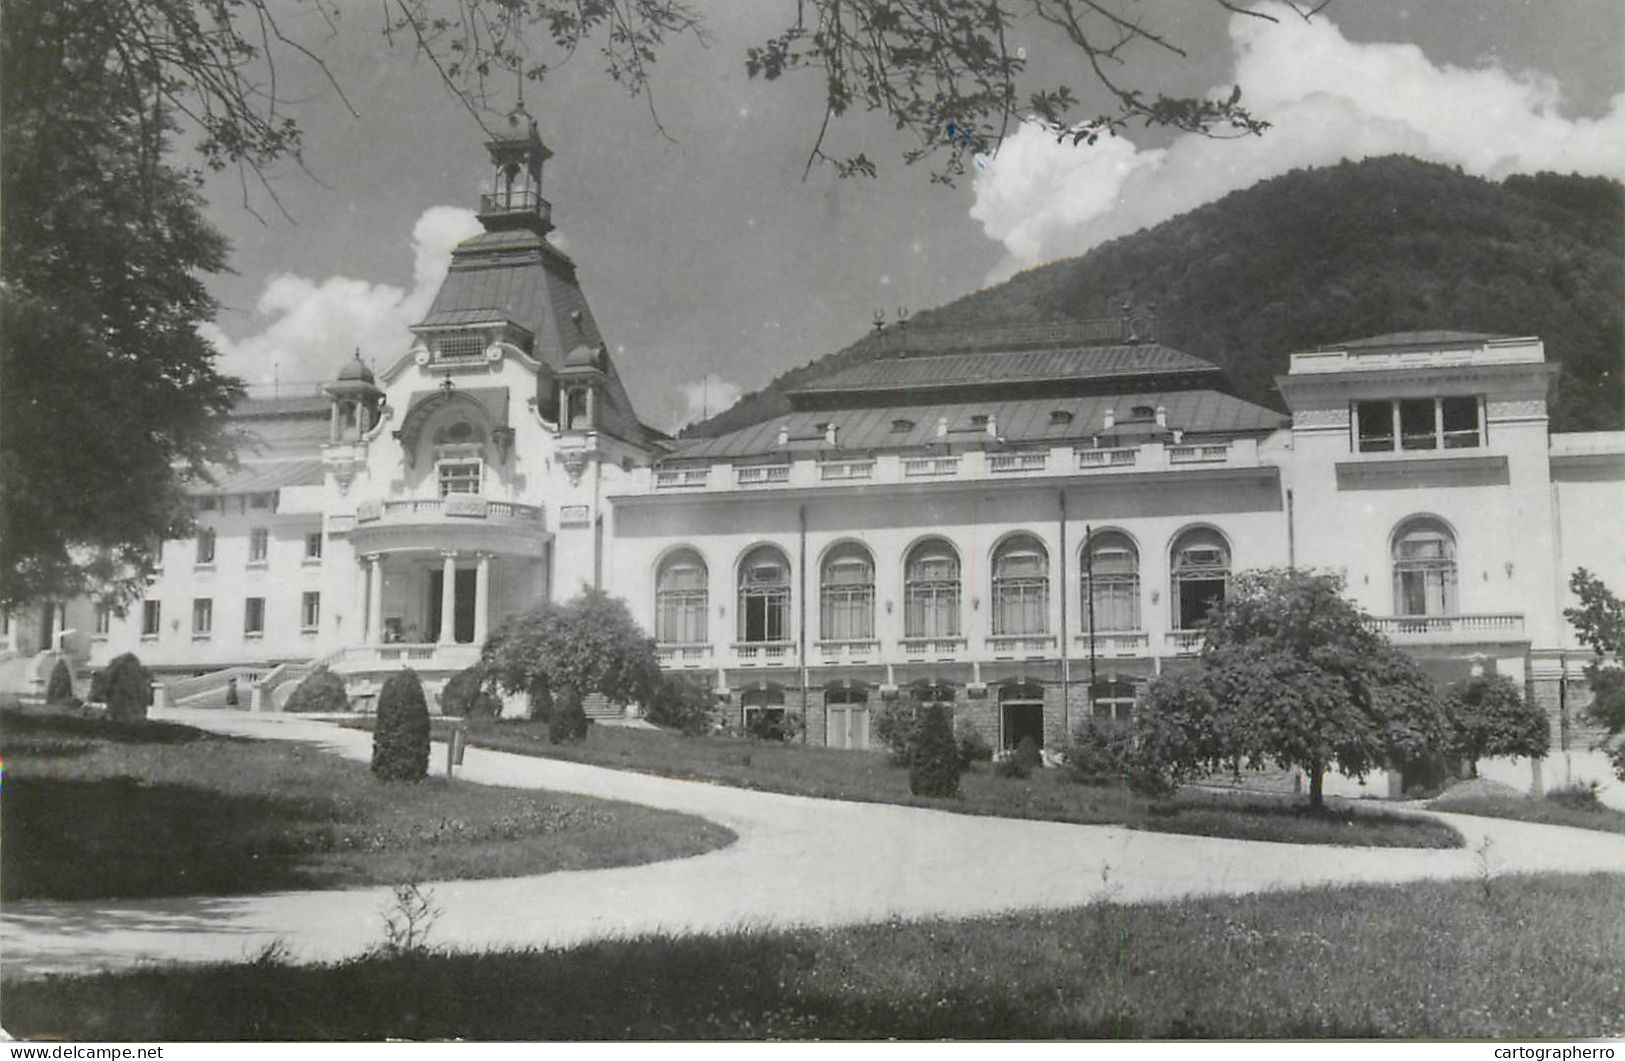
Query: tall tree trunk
[[1317, 785]]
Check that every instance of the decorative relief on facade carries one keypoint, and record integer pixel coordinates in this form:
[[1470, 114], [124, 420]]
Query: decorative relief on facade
[[1323, 419], [1517, 409]]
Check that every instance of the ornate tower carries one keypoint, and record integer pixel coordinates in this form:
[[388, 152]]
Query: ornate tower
[[515, 198]]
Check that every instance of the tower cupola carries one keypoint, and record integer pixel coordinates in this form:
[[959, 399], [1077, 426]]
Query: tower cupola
[[514, 199]]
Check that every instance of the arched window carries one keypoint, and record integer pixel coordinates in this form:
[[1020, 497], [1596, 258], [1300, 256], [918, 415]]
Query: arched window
[[847, 595], [1020, 587], [682, 599], [1201, 571], [1424, 568], [931, 590], [764, 712], [764, 596], [1110, 597]]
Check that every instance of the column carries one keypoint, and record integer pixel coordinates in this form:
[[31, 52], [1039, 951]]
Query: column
[[375, 599], [448, 598], [482, 597]]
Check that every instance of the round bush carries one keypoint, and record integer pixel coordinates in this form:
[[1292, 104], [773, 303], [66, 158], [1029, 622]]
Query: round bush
[[681, 704], [467, 695], [59, 690], [1101, 753], [933, 768], [127, 689], [322, 692], [894, 727], [569, 721], [400, 739], [1490, 718]]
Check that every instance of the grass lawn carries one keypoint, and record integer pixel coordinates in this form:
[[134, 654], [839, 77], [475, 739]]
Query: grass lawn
[[1520, 958], [802, 770], [94, 809], [1529, 809]]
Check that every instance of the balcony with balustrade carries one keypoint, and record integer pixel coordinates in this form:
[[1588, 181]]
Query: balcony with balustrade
[[1489, 628], [764, 653], [454, 521], [933, 649], [680, 654], [836, 652], [1021, 646], [1112, 643]]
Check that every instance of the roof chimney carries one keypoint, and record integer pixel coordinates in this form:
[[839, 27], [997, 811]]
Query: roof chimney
[[1162, 416], [829, 434], [784, 434], [942, 427], [992, 427], [1111, 419]]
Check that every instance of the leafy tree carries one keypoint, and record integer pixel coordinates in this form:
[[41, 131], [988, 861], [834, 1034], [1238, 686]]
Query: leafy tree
[[467, 695], [895, 725], [681, 704], [1600, 623], [590, 643], [1489, 717], [933, 768], [321, 692], [59, 689], [1295, 677], [400, 735], [127, 688], [105, 385]]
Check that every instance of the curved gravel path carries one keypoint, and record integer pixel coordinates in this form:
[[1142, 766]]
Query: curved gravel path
[[798, 860]]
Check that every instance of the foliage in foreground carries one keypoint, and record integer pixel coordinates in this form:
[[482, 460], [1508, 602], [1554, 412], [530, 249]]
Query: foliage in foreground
[[589, 643], [1518, 958], [400, 740], [1291, 675], [1600, 622], [97, 809], [126, 686], [681, 704], [468, 695], [1489, 718], [322, 692], [933, 768]]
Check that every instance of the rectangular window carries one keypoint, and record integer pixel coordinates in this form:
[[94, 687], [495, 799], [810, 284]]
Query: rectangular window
[[1459, 418], [205, 547], [459, 477], [254, 616], [259, 542], [310, 610], [202, 617], [104, 620], [1375, 423], [313, 545], [1416, 424], [151, 617]]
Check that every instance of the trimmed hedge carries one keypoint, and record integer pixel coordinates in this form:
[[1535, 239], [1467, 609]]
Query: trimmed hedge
[[933, 768], [322, 692], [127, 688], [400, 739], [59, 690]]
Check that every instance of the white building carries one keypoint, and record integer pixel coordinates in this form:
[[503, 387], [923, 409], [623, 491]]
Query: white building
[[1027, 522]]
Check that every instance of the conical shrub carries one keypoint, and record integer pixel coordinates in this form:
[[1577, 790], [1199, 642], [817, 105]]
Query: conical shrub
[[59, 690], [128, 689], [400, 739], [933, 768]]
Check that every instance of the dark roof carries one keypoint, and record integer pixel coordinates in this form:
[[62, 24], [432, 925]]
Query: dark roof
[[355, 370], [1013, 366], [1426, 338], [516, 276], [1020, 421], [259, 477]]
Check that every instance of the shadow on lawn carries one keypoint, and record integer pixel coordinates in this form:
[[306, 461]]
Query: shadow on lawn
[[118, 836]]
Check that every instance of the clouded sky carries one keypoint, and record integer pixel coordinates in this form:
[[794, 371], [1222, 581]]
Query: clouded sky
[[712, 266]]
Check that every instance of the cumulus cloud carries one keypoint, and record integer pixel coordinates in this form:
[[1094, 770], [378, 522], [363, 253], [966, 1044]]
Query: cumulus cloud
[[1328, 98], [707, 397], [312, 326]]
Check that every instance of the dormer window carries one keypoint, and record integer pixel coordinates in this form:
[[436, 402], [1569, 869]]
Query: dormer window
[[901, 426], [1142, 412], [459, 346], [978, 420], [1060, 416]]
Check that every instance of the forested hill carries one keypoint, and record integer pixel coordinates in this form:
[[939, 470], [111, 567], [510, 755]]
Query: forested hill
[[1323, 255]]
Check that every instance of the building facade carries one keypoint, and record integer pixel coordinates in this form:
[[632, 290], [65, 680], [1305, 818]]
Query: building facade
[[1027, 523]]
